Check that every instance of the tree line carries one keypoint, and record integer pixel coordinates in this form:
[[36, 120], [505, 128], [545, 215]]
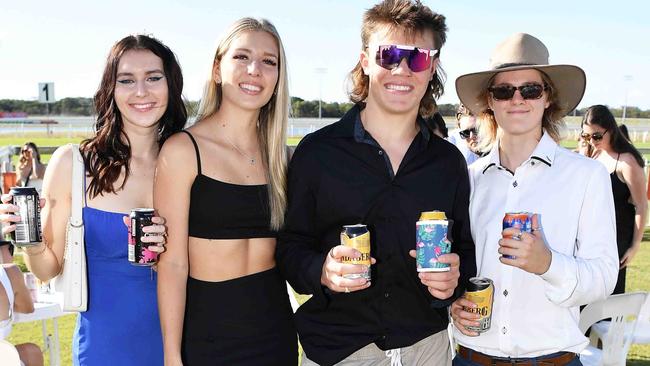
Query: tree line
[[300, 108]]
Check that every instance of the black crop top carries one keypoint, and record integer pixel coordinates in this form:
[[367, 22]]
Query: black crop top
[[220, 210]]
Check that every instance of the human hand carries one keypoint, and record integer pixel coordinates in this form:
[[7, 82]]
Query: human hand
[[8, 214], [155, 234], [441, 285], [530, 252], [333, 270], [629, 255], [463, 318]]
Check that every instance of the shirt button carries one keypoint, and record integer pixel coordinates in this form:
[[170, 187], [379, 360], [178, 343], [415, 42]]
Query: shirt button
[[514, 184], [381, 152], [505, 292], [504, 330], [386, 295]]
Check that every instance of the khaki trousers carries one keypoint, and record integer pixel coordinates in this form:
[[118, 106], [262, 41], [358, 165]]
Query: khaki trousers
[[431, 351]]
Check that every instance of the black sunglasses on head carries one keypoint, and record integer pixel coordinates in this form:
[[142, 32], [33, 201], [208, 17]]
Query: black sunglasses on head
[[527, 91], [597, 136], [468, 132]]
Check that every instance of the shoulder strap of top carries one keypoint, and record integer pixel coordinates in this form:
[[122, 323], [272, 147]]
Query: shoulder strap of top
[[196, 148], [616, 165]]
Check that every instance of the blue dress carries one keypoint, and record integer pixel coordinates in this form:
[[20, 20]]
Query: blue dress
[[121, 326]]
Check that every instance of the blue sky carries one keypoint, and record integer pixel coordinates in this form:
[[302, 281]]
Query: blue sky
[[66, 42]]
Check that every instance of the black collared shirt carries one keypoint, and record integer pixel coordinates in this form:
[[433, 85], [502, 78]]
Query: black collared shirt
[[340, 175]]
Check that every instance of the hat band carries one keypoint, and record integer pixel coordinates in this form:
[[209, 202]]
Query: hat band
[[513, 64]]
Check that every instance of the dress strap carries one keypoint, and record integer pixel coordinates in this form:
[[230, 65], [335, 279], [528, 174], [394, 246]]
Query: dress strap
[[196, 148], [616, 165]]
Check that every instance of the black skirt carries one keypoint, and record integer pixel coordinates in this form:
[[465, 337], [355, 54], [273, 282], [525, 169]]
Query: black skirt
[[244, 321]]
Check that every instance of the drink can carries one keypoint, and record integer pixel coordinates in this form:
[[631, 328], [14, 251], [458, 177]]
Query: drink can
[[358, 237], [481, 292], [28, 230], [139, 255], [30, 283], [523, 220], [431, 241]]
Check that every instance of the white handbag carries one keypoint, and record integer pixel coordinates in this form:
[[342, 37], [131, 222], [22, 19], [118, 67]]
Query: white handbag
[[71, 285]]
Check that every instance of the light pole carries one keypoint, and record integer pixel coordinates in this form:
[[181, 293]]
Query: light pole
[[627, 79], [320, 71]]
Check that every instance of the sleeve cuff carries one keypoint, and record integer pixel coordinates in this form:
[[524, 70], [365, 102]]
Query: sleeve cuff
[[557, 272]]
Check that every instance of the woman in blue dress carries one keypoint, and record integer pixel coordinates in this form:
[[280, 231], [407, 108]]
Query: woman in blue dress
[[138, 106]]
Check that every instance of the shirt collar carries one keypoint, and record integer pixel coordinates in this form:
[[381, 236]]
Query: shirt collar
[[351, 126], [544, 152]]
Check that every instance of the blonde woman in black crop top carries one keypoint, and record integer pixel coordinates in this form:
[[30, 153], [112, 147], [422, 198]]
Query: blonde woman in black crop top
[[221, 185]]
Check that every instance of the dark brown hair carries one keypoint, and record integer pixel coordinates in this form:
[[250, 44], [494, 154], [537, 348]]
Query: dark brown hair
[[600, 115], [33, 146], [109, 151], [411, 18]]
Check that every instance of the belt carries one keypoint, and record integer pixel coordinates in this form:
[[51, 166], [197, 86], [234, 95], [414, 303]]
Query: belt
[[487, 360]]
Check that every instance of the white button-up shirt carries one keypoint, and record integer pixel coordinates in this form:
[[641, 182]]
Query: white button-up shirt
[[536, 315]]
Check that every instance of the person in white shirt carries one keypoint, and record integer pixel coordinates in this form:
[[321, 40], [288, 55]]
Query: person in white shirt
[[570, 257], [465, 137]]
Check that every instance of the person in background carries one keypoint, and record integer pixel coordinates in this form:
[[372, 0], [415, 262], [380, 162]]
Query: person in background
[[465, 137], [381, 166], [222, 186], [625, 164], [139, 105], [30, 169], [15, 297], [568, 258]]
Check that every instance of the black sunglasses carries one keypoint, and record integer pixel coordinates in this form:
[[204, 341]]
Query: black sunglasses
[[597, 136], [468, 132], [527, 91]]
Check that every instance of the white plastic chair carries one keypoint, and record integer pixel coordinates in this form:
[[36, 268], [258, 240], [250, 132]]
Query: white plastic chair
[[641, 333], [9, 354], [621, 309]]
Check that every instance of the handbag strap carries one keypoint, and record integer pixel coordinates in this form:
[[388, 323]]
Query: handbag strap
[[76, 218]]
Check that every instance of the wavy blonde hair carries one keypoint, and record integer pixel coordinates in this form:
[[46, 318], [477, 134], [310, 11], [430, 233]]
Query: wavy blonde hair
[[489, 131], [272, 122]]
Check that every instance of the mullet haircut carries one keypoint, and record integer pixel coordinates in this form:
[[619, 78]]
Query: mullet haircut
[[411, 18]]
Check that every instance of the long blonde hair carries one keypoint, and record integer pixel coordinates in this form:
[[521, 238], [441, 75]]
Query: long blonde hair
[[489, 131], [272, 123]]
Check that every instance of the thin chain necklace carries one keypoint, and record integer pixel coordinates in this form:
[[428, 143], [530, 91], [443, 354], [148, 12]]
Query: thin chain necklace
[[251, 159]]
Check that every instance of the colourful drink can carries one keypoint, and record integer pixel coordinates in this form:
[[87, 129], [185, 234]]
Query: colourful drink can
[[481, 292], [522, 220], [358, 237], [431, 241], [139, 255], [28, 230]]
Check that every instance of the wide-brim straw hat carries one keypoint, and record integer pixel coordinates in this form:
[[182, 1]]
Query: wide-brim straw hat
[[519, 52]]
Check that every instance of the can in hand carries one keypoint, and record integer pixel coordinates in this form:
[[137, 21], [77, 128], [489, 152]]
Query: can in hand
[[139, 255], [358, 237], [481, 292], [522, 220], [28, 230], [431, 241]]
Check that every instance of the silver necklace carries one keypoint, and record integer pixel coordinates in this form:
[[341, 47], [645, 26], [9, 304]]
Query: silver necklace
[[251, 159]]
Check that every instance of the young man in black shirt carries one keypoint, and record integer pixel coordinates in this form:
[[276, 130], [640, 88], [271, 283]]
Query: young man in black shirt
[[381, 166]]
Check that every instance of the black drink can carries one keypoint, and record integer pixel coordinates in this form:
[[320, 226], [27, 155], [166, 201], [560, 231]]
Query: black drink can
[[28, 230], [139, 255]]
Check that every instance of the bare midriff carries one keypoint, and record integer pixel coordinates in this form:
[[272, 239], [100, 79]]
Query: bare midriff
[[217, 260]]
